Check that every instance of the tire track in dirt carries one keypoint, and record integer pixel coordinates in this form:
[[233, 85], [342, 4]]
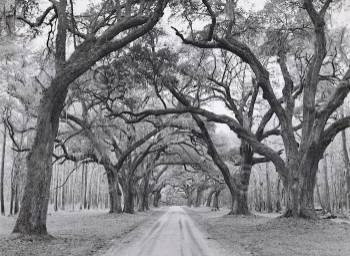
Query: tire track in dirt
[[174, 234]]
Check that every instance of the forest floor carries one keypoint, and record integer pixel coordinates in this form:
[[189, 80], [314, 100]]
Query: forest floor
[[271, 236], [79, 233]]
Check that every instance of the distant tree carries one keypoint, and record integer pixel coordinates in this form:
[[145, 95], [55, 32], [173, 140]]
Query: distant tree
[[2, 171]]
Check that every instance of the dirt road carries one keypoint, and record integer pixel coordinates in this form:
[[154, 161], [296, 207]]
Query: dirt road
[[174, 234]]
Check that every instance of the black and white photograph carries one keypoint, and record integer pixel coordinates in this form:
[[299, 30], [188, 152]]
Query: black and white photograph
[[174, 127]]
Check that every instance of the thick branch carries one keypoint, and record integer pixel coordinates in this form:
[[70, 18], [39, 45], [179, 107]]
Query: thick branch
[[329, 133]]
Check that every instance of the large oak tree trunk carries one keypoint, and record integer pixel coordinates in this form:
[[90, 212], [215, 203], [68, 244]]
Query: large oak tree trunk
[[129, 199], [240, 193], [144, 201], [144, 194], [156, 198], [239, 204], [114, 193], [34, 204], [300, 188]]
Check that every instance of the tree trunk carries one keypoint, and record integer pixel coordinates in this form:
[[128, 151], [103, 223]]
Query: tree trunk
[[82, 188], [16, 200], [216, 200], [144, 194], [63, 190], [210, 197], [145, 204], [34, 205], [256, 197], [12, 190], [300, 188], [2, 201], [129, 199], [327, 193], [319, 197], [73, 191], [114, 193], [278, 196], [199, 197], [156, 198], [240, 194], [56, 192], [268, 192], [239, 204], [85, 170], [347, 168], [189, 201]]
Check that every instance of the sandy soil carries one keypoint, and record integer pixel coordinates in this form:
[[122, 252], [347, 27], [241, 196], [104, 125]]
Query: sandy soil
[[75, 233], [173, 234], [262, 236]]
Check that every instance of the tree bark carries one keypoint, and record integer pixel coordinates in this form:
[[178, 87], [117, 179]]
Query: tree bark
[[157, 195], [300, 186], [2, 201], [85, 170], [144, 194], [114, 193], [199, 196], [347, 167], [209, 199], [278, 196], [129, 198], [63, 190], [239, 204], [268, 192], [144, 200], [34, 205], [326, 182], [319, 197], [189, 201], [216, 200], [241, 184], [12, 191], [56, 192], [16, 200]]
